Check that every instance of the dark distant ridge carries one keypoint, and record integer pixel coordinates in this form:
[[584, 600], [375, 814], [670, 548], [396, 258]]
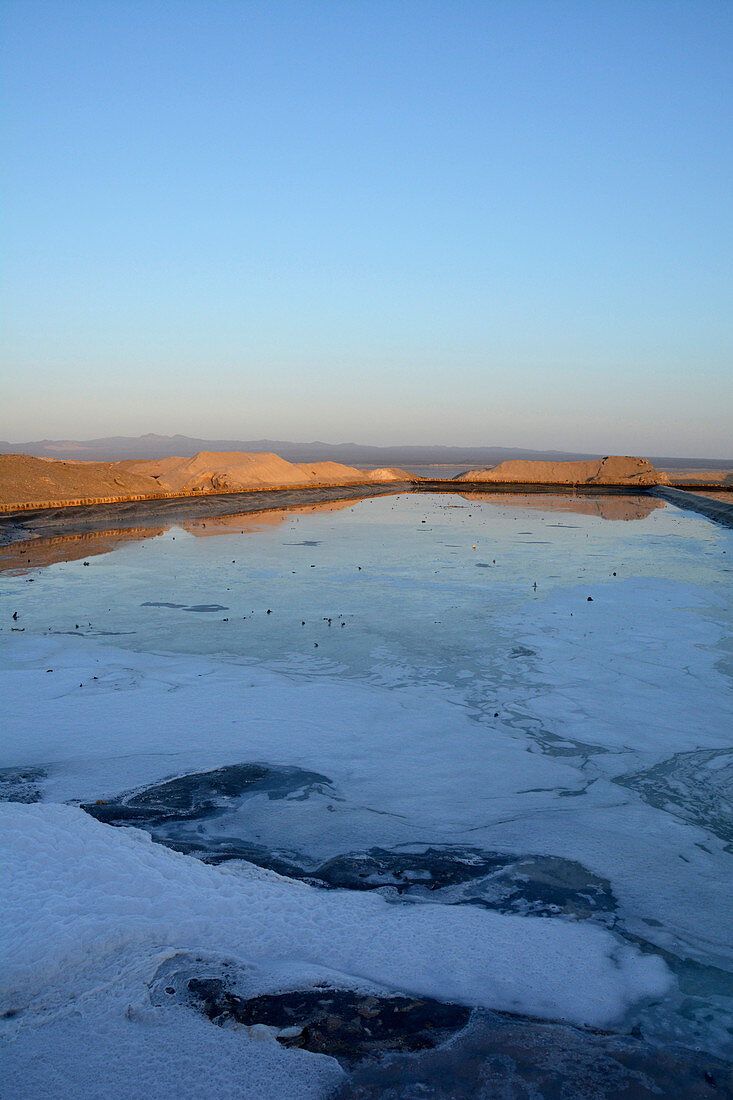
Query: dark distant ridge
[[164, 446]]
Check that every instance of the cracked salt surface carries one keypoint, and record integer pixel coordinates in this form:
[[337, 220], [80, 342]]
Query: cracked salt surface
[[457, 715]]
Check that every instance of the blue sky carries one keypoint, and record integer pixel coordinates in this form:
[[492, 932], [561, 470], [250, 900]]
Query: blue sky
[[504, 223]]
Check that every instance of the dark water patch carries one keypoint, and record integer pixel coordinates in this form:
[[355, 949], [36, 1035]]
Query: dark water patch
[[516, 1058], [547, 742], [21, 784], [206, 607], [161, 603], [203, 794], [81, 633], [206, 815], [522, 651], [696, 787], [341, 1023], [536, 885], [304, 542]]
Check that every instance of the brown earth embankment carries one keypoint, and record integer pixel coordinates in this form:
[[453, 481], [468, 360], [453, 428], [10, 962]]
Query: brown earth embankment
[[28, 483]]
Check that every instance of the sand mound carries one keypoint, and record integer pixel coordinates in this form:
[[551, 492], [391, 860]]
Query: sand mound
[[45, 481], [327, 472], [211, 470], [614, 470], [390, 473], [24, 479]]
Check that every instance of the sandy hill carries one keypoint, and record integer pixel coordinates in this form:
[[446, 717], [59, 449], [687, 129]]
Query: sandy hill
[[613, 470], [44, 481], [24, 479], [217, 470]]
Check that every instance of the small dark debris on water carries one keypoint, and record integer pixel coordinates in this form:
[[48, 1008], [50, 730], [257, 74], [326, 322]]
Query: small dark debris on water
[[15, 614], [590, 599]]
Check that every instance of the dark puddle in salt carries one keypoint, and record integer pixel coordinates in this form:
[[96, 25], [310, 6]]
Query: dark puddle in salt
[[517, 1058], [161, 603], [432, 1050], [177, 812], [403, 1047], [185, 607]]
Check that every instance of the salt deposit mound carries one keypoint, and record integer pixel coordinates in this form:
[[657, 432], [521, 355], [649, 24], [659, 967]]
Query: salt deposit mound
[[612, 470]]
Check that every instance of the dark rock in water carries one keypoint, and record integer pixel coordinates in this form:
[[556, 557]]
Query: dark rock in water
[[517, 1058], [21, 784], [346, 1025]]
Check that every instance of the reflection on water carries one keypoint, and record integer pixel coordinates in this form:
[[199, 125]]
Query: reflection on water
[[611, 507], [246, 522], [30, 554]]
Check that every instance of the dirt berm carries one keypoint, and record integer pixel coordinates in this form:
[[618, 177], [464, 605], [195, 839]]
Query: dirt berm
[[613, 470]]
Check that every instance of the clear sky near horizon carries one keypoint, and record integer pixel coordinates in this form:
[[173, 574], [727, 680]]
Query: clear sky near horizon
[[486, 223]]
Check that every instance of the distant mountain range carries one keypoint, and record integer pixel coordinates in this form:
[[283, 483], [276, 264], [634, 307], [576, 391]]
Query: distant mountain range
[[354, 454]]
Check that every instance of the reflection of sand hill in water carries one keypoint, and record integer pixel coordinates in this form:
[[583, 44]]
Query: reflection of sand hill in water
[[612, 470], [249, 522], [611, 507], [212, 470], [36, 553]]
